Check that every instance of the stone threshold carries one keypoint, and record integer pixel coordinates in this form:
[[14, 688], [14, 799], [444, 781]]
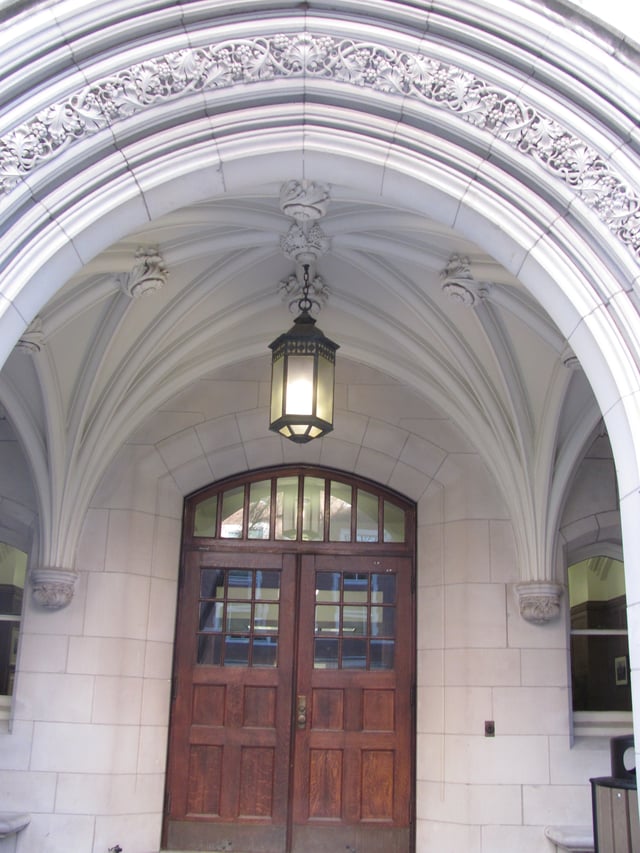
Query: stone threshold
[[575, 839]]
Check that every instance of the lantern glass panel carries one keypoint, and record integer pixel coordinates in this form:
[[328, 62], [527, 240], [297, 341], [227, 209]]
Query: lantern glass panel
[[299, 391], [325, 389], [277, 388]]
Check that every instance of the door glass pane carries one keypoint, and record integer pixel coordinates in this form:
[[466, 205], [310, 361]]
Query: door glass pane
[[236, 651], [268, 585], [212, 583], [265, 618], [238, 616], [354, 654], [356, 588], [367, 517], [340, 512], [286, 508], [325, 653], [355, 620], [259, 510], [232, 513], [382, 654], [383, 589], [383, 621], [265, 651], [246, 609], [393, 523], [313, 509], [240, 582], [204, 520], [209, 650], [328, 586], [211, 615], [327, 618]]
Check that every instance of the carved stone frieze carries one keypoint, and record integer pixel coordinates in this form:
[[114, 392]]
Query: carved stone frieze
[[53, 588], [539, 601], [148, 275], [393, 71]]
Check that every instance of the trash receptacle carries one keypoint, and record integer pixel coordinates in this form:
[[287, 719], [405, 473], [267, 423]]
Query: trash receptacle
[[616, 827]]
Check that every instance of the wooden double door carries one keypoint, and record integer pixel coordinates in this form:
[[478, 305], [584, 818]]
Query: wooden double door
[[292, 721]]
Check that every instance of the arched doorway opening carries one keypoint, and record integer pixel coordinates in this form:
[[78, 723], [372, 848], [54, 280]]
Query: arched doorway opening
[[293, 706]]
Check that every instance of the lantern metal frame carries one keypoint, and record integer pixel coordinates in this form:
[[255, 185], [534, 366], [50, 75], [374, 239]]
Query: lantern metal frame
[[303, 351]]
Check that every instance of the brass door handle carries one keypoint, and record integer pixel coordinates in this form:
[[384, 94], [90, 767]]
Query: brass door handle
[[301, 712]]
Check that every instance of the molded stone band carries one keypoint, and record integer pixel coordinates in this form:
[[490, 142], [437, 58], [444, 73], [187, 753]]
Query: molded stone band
[[363, 64]]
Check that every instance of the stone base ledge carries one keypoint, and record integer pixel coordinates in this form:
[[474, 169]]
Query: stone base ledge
[[12, 822], [577, 839]]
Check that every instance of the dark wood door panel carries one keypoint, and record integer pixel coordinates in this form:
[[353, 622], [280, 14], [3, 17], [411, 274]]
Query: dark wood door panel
[[353, 755], [231, 724], [309, 748]]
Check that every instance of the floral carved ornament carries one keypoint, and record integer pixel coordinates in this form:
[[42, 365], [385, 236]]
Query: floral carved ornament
[[364, 64]]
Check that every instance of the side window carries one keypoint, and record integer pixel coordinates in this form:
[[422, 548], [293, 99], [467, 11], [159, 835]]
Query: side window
[[599, 644], [13, 569]]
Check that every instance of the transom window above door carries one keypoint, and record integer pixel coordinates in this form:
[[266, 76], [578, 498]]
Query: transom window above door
[[300, 506]]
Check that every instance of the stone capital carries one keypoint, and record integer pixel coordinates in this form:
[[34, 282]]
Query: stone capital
[[539, 601], [53, 588]]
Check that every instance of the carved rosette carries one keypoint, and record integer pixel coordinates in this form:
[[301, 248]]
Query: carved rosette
[[539, 601], [459, 293], [305, 244], [53, 588]]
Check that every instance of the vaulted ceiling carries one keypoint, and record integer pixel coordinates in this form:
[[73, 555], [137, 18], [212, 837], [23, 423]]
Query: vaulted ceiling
[[448, 166]]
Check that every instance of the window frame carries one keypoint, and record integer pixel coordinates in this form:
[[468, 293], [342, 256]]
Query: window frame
[[594, 724]]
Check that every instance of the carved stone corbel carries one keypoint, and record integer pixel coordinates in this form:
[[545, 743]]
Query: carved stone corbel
[[53, 588], [539, 601], [148, 275]]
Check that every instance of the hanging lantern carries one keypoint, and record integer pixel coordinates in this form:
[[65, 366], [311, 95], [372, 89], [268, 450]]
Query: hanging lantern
[[302, 377]]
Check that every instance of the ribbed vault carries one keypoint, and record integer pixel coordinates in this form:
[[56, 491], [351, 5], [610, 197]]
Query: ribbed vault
[[469, 133]]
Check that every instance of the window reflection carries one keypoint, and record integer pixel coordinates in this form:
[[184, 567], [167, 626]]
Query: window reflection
[[205, 517], [599, 641], [313, 509], [13, 568], [232, 513], [393, 523], [367, 517], [296, 510], [287, 508], [356, 609], [340, 512], [259, 516], [239, 617]]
